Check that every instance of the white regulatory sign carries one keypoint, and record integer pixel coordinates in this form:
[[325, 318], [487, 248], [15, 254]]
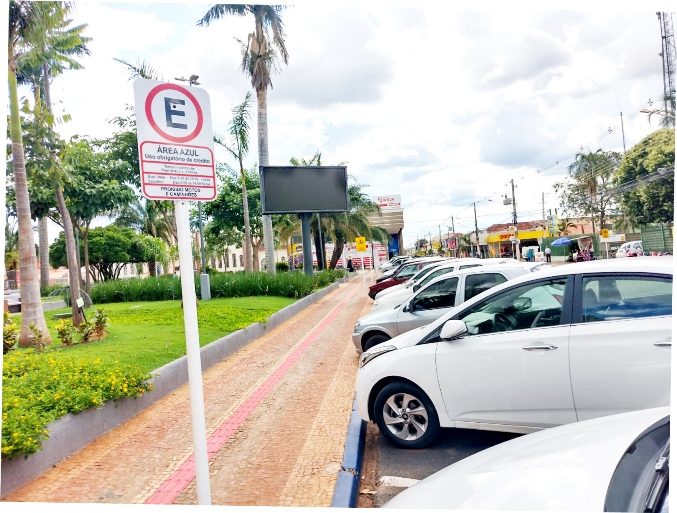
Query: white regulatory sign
[[176, 142]]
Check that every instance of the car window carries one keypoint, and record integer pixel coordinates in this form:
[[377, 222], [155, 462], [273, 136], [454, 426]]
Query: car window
[[477, 283], [608, 298], [435, 274], [438, 295], [532, 305], [408, 271]]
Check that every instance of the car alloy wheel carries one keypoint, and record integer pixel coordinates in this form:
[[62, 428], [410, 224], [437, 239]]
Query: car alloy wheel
[[406, 416]]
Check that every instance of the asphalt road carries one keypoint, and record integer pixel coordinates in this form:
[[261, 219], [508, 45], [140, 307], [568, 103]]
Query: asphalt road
[[388, 470]]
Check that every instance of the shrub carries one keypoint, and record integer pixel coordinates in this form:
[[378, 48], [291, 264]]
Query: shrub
[[66, 332], [281, 267], [100, 322], [86, 330], [240, 284], [10, 333], [37, 338], [46, 291], [38, 388]]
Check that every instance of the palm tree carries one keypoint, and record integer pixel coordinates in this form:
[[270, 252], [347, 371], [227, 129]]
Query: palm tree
[[585, 165], [259, 60], [50, 56], [238, 130], [354, 223], [29, 22]]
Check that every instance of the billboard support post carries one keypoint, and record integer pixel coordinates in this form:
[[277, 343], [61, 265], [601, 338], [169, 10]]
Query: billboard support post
[[307, 249]]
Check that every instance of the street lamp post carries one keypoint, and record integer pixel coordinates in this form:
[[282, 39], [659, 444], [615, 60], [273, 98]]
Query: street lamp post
[[204, 277]]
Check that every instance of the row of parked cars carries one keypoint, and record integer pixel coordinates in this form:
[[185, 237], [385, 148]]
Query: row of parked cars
[[524, 348]]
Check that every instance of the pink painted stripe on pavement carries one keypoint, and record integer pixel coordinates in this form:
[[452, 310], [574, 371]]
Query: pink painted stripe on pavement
[[179, 480]]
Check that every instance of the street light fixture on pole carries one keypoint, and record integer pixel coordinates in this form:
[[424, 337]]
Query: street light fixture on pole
[[204, 277]]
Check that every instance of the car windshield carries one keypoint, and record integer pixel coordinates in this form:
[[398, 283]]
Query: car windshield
[[640, 482]]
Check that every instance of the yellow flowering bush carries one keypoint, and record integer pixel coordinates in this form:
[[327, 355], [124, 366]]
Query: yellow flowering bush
[[10, 333], [39, 387]]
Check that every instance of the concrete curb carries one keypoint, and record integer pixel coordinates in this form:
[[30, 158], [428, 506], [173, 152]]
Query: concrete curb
[[347, 484], [69, 434]]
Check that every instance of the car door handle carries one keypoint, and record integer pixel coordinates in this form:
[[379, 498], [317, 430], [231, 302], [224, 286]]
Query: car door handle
[[666, 342], [540, 346]]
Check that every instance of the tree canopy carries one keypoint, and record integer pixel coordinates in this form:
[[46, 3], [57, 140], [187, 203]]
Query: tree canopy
[[653, 202]]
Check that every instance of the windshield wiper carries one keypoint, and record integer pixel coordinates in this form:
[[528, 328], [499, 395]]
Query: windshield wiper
[[659, 481]]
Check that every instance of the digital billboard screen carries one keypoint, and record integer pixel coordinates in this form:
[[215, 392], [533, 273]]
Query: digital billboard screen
[[300, 189]]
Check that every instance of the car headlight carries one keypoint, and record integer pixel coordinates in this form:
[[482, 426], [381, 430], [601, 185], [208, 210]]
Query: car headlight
[[373, 353], [375, 303], [357, 326]]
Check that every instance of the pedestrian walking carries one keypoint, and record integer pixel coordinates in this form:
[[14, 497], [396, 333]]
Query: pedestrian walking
[[547, 254], [530, 255], [350, 265]]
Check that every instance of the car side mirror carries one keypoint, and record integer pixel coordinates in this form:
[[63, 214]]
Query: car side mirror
[[522, 303], [453, 329]]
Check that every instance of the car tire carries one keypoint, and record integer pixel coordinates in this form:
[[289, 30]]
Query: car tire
[[375, 340], [409, 431]]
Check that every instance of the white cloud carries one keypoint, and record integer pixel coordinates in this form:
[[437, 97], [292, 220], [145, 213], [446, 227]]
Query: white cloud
[[441, 105]]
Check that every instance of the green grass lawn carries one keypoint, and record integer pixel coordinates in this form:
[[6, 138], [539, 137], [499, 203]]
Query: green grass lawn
[[151, 334]]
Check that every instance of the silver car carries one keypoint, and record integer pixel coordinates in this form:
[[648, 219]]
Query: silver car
[[430, 302]]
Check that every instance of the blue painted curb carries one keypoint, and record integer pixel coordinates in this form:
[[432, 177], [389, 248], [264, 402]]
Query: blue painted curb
[[346, 489]]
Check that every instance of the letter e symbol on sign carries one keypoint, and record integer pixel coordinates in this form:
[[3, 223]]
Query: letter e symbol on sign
[[171, 111]]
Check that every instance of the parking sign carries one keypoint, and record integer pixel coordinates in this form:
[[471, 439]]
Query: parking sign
[[176, 142]]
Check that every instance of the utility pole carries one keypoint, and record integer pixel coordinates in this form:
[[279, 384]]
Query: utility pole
[[543, 204], [430, 241], [453, 230], [477, 235], [514, 219], [439, 227]]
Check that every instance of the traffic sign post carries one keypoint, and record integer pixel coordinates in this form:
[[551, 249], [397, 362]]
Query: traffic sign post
[[361, 247], [176, 159]]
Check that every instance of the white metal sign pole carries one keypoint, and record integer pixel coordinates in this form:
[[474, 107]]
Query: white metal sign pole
[[364, 284], [197, 409]]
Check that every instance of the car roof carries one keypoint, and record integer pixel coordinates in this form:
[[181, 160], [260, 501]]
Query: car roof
[[482, 269], [658, 265]]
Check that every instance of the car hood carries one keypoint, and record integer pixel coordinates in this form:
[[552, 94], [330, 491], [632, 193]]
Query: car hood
[[566, 468], [377, 317], [406, 339]]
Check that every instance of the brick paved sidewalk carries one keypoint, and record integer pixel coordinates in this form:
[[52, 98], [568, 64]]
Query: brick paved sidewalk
[[277, 415]]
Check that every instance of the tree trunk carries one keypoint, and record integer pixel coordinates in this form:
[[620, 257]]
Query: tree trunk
[[248, 257], [151, 268], [71, 257], [31, 305], [318, 250], [262, 118], [44, 251], [255, 256], [338, 251], [85, 245]]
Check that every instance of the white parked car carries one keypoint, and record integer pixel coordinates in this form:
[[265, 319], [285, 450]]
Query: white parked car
[[630, 249], [387, 299], [420, 274], [614, 463], [557, 346], [430, 302]]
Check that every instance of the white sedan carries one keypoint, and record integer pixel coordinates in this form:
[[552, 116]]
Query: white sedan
[[614, 463], [562, 345]]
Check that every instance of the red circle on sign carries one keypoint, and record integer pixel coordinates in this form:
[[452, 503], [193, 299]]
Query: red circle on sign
[[149, 115]]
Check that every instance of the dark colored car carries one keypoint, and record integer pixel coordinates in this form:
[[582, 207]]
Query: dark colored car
[[402, 274]]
